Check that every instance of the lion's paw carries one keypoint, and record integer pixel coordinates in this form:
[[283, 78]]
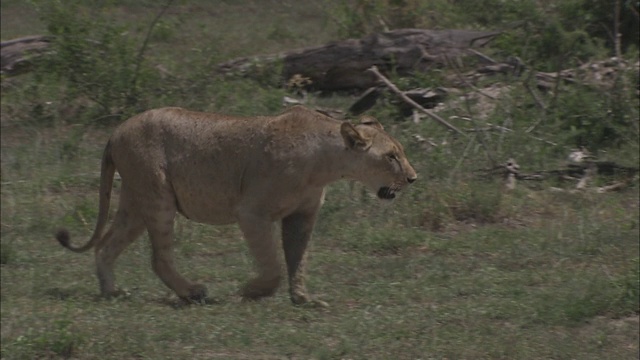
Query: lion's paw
[[197, 294]]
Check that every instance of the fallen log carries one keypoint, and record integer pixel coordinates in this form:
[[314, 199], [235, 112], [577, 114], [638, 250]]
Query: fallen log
[[343, 65], [16, 54]]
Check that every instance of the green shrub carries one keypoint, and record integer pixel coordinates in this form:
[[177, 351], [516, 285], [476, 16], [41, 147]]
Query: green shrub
[[96, 59], [595, 118]]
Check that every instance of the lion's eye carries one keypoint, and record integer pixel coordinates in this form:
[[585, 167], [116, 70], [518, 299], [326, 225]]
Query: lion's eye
[[392, 157]]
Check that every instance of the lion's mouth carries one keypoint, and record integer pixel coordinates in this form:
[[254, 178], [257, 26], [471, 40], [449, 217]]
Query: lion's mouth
[[386, 193]]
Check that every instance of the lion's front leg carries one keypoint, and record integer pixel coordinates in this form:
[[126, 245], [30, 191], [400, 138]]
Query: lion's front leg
[[296, 233], [259, 235]]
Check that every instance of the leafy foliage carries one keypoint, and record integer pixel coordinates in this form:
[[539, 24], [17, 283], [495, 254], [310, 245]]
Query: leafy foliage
[[98, 59], [544, 33]]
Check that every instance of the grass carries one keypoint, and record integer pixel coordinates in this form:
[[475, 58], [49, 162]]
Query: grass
[[455, 268], [560, 283]]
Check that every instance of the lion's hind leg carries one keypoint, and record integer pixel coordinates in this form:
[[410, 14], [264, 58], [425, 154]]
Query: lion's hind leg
[[160, 228], [125, 229]]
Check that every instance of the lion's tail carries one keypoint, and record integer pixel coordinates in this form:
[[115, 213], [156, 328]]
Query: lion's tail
[[107, 173]]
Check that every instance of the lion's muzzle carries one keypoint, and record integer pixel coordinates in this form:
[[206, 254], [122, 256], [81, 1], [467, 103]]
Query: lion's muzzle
[[386, 193]]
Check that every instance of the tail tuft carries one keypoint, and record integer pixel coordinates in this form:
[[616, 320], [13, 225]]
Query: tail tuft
[[63, 237]]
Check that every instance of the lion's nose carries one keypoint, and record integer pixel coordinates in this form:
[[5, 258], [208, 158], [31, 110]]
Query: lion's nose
[[412, 179]]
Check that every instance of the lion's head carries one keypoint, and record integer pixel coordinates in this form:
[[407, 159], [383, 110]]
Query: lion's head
[[385, 168]]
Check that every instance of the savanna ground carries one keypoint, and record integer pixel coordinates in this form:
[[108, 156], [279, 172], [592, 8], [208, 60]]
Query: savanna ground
[[455, 268]]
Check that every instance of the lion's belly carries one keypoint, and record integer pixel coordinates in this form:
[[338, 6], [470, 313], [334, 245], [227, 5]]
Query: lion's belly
[[216, 207], [206, 205], [209, 210]]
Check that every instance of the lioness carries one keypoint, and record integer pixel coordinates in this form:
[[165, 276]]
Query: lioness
[[219, 169]]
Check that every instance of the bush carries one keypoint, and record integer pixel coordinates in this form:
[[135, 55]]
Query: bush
[[96, 59], [594, 119]]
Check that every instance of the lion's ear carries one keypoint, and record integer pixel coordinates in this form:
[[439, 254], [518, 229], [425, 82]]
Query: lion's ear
[[371, 121], [352, 138]]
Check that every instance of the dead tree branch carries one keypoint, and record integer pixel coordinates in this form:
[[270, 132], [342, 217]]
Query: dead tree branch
[[406, 99]]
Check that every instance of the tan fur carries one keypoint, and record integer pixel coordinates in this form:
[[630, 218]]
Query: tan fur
[[219, 169]]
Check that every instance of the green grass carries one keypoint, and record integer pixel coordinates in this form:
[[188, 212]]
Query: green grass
[[560, 283], [455, 268]]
